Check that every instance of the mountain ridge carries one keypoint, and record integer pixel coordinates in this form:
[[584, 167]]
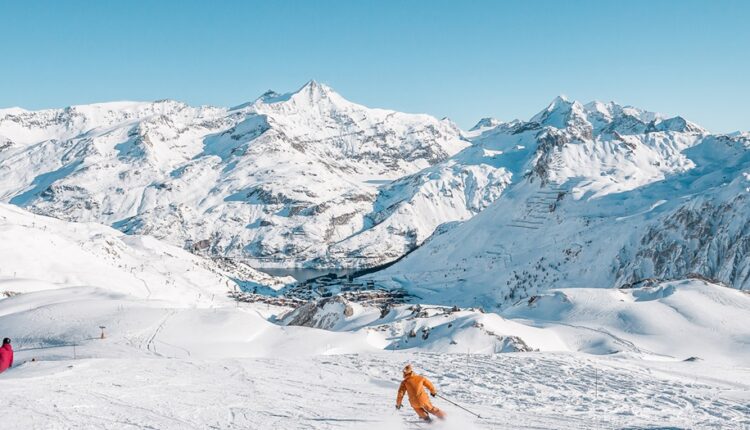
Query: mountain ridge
[[287, 157], [271, 180]]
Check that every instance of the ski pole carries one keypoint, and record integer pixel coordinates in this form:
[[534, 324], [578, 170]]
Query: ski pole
[[456, 404]]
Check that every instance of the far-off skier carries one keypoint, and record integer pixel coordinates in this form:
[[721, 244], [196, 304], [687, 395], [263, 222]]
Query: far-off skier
[[6, 355], [415, 385]]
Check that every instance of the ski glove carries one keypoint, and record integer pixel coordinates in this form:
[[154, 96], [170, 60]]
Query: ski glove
[[398, 406], [433, 394]]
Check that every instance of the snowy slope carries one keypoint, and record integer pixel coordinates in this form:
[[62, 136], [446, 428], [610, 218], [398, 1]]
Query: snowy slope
[[173, 366], [608, 197], [268, 181], [510, 391], [41, 253], [670, 321], [674, 320], [425, 328]]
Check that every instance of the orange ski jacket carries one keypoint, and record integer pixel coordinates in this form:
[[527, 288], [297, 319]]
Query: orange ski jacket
[[414, 385]]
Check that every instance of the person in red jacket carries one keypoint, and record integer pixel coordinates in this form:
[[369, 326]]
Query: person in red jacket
[[6, 355], [414, 385]]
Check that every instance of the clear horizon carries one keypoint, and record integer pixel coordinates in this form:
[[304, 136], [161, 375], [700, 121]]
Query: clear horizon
[[464, 61]]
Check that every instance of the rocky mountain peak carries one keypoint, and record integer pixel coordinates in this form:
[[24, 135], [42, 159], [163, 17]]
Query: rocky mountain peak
[[486, 123], [561, 113]]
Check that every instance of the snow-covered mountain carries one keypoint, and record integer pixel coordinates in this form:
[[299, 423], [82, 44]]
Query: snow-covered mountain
[[39, 253], [310, 179], [653, 354], [602, 196], [293, 179]]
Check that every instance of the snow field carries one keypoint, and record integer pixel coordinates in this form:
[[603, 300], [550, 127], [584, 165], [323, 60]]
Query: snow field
[[510, 391], [168, 366]]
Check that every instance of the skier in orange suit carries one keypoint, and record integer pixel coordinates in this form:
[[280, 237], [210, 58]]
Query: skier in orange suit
[[415, 385]]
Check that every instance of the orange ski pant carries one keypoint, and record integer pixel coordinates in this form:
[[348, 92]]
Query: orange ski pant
[[423, 411]]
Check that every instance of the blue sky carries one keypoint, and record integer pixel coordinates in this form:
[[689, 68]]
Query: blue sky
[[461, 59]]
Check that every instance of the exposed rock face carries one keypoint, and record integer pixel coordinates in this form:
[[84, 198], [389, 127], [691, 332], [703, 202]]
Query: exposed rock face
[[710, 239], [324, 314]]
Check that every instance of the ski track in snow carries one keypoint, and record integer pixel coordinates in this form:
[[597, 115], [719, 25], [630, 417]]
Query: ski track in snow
[[510, 391], [150, 345]]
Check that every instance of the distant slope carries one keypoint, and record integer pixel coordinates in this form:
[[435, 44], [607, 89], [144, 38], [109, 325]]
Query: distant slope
[[40, 253], [609, 196], [672, 320]]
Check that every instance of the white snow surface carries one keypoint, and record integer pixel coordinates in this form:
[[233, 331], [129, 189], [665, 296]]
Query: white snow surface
[[509, 391], [42, 253], [178, 353]]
